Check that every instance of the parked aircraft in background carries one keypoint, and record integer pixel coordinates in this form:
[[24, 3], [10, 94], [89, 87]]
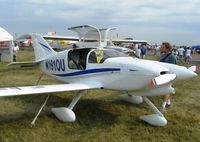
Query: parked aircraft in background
[[128, 42], [91, 66], [66, 42], [125, 50], [61, 42]]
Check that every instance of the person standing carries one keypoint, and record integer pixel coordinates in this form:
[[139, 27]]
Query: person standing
[[180, 54], [15, 50], [143, 51], [138, 52], [167, 57], [188, 55]]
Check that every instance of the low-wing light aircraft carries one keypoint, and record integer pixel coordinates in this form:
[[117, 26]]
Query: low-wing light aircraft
[[93, 67]]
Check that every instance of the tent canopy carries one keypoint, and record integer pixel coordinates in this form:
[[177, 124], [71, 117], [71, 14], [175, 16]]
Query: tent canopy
[[5, 36]]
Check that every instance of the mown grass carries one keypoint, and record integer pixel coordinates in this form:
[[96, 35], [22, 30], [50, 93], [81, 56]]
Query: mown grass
[[101, 116]]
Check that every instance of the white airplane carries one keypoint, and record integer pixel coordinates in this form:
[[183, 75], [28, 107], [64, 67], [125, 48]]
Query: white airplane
[[86, 68]]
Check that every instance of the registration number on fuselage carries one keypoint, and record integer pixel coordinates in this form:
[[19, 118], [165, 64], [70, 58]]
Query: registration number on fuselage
[[55, 65]]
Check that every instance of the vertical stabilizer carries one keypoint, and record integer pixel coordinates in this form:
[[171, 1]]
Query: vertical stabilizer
[[41, 48]]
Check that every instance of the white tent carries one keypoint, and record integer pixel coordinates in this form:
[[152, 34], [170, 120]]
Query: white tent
[[5, 36], [6, 46]]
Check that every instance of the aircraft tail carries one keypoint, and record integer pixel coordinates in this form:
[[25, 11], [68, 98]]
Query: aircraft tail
[[41, 48]]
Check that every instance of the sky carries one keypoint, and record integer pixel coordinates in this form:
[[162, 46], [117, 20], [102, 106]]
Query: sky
[[157, 21]]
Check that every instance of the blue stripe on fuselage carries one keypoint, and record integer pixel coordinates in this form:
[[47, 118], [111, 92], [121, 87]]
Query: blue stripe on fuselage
[[90, 71]]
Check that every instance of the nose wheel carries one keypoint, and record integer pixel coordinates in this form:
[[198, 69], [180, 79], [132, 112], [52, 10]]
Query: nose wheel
[[157, 119]]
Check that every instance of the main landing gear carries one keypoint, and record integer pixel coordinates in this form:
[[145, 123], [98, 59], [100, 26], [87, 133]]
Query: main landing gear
[[63, 114], [66, 114], [157, 119]]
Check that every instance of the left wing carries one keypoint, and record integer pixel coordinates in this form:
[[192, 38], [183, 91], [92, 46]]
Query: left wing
[[41, 89]]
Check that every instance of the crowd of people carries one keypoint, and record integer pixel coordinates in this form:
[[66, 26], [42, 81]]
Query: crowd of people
[[183, 54]]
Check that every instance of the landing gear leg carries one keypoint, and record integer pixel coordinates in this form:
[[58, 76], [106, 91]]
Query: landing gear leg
[[157, 119], [66, 114], [39, 78], [44, 104], [35, 118]]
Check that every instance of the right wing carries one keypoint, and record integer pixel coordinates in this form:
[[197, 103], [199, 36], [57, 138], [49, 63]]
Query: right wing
[[41, 89]]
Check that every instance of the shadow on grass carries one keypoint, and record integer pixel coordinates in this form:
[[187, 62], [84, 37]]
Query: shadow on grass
[[89, 113]]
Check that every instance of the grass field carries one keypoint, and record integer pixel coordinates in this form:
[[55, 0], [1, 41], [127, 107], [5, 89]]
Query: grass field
[[101, 116]]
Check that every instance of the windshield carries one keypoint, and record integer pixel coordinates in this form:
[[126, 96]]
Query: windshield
[[113, 53]]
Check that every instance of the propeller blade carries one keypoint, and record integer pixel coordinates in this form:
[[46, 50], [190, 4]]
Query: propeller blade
[[162, 79]]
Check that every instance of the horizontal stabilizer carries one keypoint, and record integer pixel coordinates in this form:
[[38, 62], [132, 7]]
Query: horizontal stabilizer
[[24, 64], [42, 89], [162, 79]]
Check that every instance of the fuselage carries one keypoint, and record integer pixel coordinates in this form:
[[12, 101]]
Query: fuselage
[[118, 72]]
